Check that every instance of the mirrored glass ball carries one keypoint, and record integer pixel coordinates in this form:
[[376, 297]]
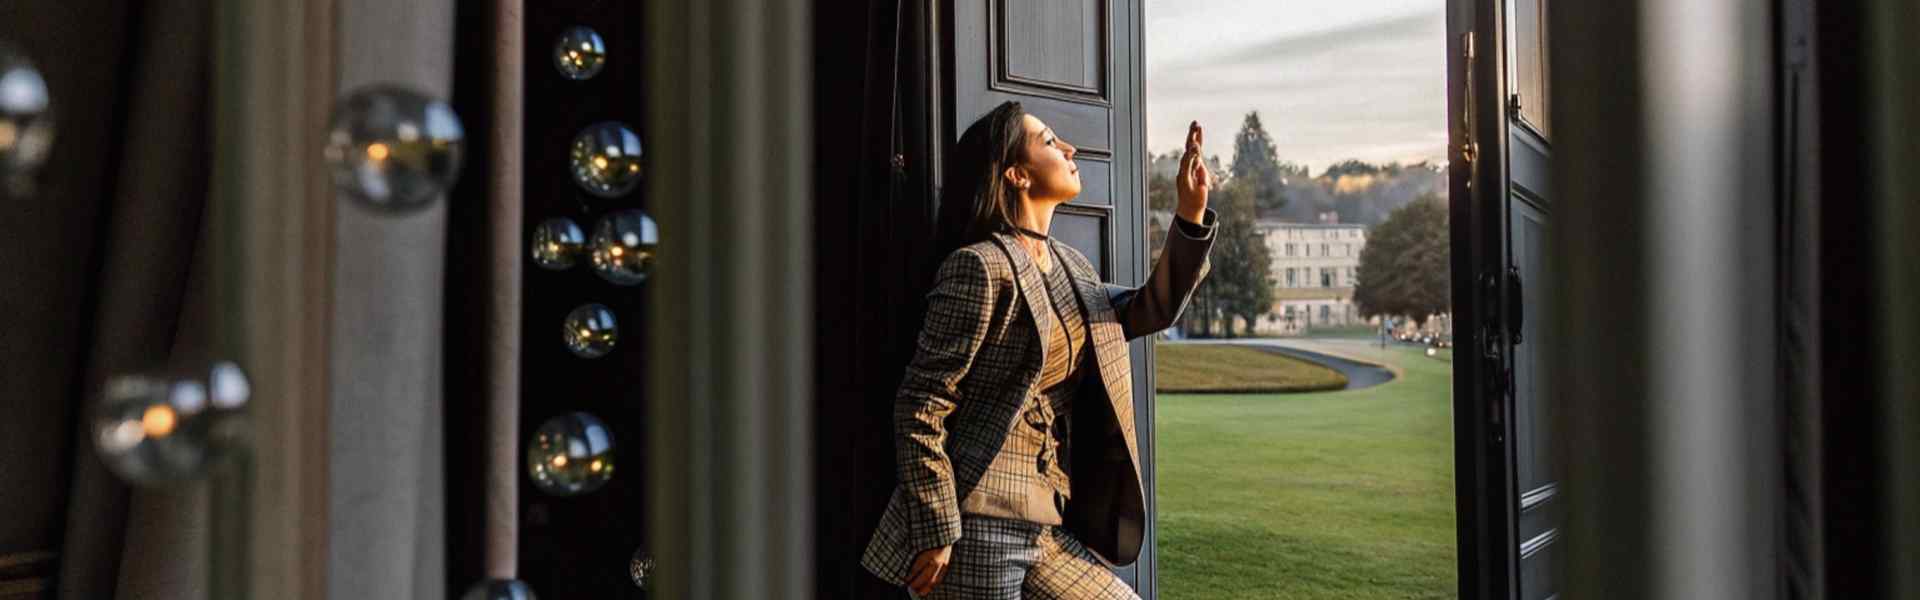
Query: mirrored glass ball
[[159, 428], [591, 331], [499, 589], [26, 115], [557, 243], [641, 569], [579, 53], [606, 159], [623, 245], [392, 149], [570, 455]]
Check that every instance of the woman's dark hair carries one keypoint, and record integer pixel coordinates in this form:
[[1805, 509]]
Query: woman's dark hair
[[977, 200]]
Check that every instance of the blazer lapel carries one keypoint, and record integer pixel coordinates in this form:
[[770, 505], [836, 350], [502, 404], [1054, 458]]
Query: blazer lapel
[[1109, 345], [1033, 291]]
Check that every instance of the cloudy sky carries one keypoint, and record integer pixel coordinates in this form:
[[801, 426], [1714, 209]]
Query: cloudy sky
[[1332, 79]]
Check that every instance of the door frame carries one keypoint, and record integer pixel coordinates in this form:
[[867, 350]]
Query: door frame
[[1476, 188]]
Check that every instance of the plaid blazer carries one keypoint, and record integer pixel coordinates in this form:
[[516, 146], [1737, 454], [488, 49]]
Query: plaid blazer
[[959, 409]]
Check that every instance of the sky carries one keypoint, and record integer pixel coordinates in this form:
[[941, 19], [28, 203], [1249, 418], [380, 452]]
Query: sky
[[1332, 79]]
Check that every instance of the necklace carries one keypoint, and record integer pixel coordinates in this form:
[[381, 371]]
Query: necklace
[[1040, 255]]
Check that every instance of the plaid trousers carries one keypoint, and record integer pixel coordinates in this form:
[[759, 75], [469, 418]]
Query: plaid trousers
[[1008, 559]]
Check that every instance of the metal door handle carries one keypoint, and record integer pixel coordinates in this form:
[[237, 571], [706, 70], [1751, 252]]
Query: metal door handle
[[1515, 304]]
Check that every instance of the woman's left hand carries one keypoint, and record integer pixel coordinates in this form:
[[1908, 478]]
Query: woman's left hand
[[1194, 180]]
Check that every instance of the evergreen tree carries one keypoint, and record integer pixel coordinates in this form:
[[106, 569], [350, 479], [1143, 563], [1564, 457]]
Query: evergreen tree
[[1256, 161]]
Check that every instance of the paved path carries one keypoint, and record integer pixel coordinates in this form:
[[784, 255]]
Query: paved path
[[1359, 375]]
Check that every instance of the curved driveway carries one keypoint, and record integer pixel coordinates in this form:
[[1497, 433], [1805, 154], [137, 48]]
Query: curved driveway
[[1359, 375]]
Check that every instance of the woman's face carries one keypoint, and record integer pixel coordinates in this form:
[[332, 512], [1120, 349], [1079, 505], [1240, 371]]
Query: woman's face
[[1049, 171]]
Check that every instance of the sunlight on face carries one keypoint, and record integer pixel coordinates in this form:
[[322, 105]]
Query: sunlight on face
[[1049, 168]]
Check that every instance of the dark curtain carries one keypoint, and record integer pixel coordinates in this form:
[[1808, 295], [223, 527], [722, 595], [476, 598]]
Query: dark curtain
[[102, 267]]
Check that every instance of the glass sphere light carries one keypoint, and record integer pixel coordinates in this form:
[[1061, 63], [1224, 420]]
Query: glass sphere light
[[623, 246], [570, 455], [579, 53], [26, 117], [605, 159], [392, 149], [499, 589], [556, 243], [160, 428], [590, 331]]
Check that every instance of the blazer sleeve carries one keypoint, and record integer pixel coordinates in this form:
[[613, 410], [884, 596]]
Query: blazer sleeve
[[1183, 264], [959, 310]]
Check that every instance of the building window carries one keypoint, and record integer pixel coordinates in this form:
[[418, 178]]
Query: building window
[[1324, 313], [1289, 249], [1307, 248], [1349, 249], [1323, 250], [1290, 280], [1326, 279]]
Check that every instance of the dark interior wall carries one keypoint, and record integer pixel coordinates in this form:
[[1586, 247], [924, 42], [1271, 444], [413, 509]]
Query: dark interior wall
[[872, 227]]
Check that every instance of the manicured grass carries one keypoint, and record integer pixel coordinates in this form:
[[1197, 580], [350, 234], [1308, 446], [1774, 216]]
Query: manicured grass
[[1335, 495], [1197, 368]]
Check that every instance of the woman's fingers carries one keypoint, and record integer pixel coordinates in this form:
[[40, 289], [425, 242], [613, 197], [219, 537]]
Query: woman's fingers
[[916, 578], [1191, 167], [938, 572]]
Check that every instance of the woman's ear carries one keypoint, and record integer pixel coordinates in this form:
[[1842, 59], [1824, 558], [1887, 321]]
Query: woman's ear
[[1017, 176]]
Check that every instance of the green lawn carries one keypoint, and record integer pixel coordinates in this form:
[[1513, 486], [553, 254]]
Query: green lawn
[[1337, 495], [1219, 368]]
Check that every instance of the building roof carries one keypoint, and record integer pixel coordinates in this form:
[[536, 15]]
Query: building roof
[[1279, 224]]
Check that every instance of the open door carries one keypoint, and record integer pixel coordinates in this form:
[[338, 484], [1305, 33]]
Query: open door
[[1510, 509]]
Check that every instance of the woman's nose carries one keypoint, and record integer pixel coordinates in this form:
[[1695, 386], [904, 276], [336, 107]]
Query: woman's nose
[[1071, 150]]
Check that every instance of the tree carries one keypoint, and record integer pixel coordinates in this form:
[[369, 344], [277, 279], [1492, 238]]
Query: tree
[[1255, 161], [1240, 283], [1403, 268], [1160, 192]]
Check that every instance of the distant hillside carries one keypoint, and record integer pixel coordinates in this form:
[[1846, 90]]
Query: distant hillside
[[1358, 192]]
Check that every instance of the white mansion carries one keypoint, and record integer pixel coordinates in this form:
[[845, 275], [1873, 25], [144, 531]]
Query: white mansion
[[1315, 268]]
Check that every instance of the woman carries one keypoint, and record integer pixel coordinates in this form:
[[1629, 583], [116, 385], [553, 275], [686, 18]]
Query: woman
[[1019, 473]]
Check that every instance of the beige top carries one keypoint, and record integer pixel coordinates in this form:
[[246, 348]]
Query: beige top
[[1051, 411]]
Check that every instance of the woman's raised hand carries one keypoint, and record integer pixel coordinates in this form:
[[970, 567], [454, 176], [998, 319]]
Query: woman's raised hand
[[1194, 180]]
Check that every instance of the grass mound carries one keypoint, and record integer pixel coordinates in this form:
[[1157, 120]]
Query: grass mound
[[1208, 368]]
